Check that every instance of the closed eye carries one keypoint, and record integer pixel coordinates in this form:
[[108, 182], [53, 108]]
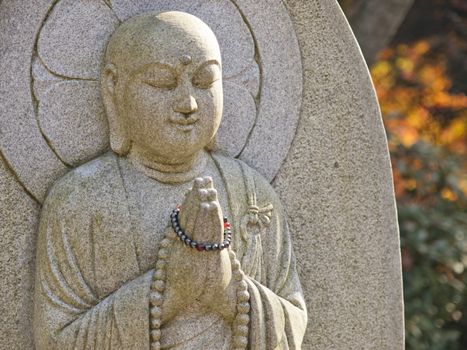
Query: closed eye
[[160, 77], [207, 75]]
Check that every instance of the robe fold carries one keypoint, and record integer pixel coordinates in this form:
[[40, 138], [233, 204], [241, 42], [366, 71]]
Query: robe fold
[[94, 264]]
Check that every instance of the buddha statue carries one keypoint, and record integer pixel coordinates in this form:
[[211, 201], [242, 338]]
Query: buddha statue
[[164, 242]]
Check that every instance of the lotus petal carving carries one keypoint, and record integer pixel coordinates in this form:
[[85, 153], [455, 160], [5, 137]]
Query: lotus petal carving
[[76, 134], [73, 39]]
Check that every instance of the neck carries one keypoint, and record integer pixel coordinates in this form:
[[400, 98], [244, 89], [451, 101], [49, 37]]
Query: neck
[[168, 170]]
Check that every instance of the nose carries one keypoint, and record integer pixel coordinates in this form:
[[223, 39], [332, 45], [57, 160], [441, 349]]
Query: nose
[[186, 104]]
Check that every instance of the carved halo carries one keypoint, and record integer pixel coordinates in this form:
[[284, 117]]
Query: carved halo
[[262, 83]]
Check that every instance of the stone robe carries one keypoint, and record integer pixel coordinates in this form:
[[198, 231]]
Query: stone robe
[[97, 247]]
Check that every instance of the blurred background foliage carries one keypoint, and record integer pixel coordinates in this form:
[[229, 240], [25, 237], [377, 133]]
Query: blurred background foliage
[[419, 67]]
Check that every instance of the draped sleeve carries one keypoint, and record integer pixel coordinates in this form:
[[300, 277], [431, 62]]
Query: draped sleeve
[[262, 241], [76, 308], [278, 314]]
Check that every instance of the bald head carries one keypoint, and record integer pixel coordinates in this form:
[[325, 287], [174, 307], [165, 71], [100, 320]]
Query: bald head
[[162, 85], [167, 38]]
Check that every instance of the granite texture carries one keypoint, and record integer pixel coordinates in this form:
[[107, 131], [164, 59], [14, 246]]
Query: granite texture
[[71, 42], [60, 113], [66, 38], [111, 271], [18, 219], [335, 183], [21, 142]]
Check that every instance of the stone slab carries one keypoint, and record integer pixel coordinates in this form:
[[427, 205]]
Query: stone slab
[[18, 219], [335, 183], [337, 187]]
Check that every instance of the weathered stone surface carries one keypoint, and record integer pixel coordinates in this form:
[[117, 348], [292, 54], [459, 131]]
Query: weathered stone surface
[[277, 54], [281, 88], [104, 232], [73, 38], [233, 134], [18, 219], [43, 79], [76, 135], [336, 185], [235, 39], [20, 139]]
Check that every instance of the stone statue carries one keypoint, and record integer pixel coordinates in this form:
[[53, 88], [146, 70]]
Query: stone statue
[[111, 271]]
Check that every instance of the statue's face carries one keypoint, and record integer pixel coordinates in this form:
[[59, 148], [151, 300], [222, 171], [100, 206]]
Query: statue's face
[[169, 92]]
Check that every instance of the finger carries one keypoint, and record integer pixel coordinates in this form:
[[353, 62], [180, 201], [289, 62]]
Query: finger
[[190, 204], [208, 182], [202, 223], [185, 210], [198, 183], [212, 195], [203, 195], [194, 210], [216, 222]]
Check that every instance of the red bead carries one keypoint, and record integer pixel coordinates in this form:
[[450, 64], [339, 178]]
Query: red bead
[[200, 247], [226, 225]]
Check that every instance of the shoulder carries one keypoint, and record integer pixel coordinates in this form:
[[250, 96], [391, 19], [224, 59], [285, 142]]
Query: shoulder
[[252, 178], [85, 184]]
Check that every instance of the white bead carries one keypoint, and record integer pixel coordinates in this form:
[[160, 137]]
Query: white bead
[[243, 296], [165, 243], [156, 312], [161, 264], [163, 253], [238, 275], [158, 285], [155, 323], [240, 341], [159, 274], [156, 299], [235, 265], [155, 335], [242, 319], [243, 308], [155, 345], [241, 330]]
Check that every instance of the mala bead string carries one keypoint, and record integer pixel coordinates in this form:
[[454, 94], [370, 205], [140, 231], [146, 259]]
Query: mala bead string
[[242, 319], [158, 285], [156, 297], [200, 246]]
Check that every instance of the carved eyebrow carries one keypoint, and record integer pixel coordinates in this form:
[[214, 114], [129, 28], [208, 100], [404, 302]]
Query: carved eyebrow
[[157, 65], [207, 63]]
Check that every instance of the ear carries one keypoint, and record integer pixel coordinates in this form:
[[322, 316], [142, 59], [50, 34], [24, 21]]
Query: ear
[[119, 141]]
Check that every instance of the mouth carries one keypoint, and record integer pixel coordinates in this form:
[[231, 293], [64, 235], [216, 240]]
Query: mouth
[[185, 124]]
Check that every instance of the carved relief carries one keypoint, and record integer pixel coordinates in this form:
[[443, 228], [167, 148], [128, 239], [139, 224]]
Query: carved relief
[[113, 269], [70, 48]]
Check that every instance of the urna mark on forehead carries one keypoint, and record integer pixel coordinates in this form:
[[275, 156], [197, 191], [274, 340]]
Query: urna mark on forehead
[[169, 38]]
